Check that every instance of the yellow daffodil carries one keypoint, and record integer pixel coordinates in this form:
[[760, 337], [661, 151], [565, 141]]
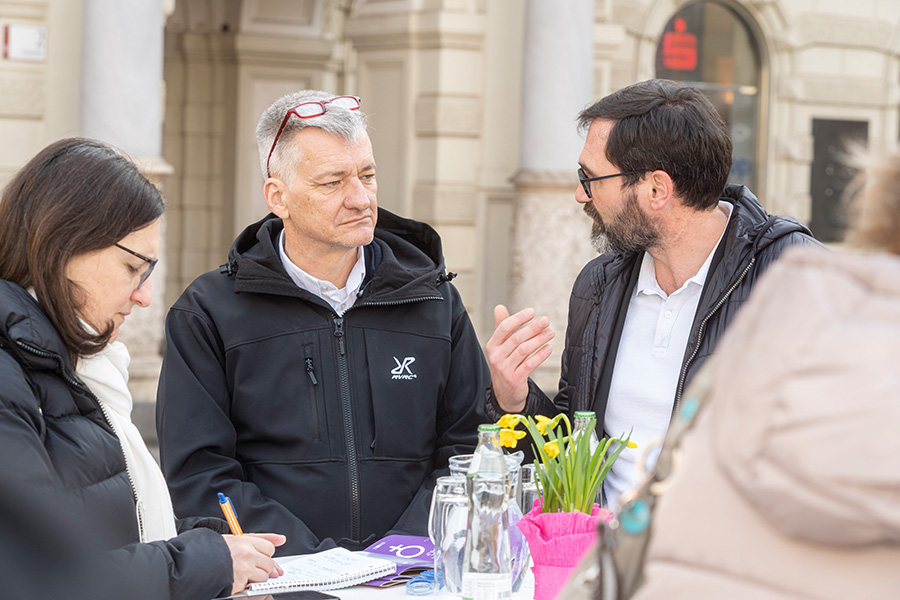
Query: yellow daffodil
[[542, 423], [551, 448], [569, 472], [508, 421], [509, 437]]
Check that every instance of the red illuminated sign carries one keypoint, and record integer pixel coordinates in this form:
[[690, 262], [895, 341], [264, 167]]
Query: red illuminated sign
[[679, 48]]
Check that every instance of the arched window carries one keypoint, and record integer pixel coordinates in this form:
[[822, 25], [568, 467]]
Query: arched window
[[709, 46]]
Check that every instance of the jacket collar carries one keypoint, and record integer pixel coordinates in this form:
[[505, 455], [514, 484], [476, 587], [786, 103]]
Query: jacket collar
[[752, 226], [404, 261], [750, 231], [23, 324]]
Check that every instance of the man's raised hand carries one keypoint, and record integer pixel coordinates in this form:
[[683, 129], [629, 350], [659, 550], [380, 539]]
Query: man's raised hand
[[517, 347]]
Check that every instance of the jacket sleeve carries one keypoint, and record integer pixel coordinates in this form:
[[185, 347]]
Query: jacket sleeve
[[213, 523], [459, 414], [197, 440], [22, 429], [193, 565], [536, 403]]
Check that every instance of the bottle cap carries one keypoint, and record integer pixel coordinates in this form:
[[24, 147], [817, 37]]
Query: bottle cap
[[488, 427], [585, 414]]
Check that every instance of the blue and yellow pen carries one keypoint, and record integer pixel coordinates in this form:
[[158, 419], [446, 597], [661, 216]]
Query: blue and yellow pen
[[230, 515]]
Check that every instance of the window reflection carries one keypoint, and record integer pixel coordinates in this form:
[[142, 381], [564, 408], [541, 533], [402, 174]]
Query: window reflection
[[709, 46]]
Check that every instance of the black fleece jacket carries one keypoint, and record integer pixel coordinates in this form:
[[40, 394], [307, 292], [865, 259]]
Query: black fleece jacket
[[328, 429], [753, 240]]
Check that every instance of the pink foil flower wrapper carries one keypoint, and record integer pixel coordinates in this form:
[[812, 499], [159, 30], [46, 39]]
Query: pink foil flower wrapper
[[557, 541]]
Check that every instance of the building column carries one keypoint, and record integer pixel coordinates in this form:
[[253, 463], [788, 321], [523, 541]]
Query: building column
[[121, 103], [551, 233], [419, 71]]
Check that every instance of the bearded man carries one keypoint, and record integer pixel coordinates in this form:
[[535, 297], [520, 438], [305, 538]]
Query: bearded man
[[680, 252]]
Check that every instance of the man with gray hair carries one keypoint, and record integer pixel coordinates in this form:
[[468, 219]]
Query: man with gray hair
[[323, 376]]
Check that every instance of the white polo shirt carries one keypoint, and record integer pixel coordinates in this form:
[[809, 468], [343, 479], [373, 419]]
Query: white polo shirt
[[339, 299], [648, 365]]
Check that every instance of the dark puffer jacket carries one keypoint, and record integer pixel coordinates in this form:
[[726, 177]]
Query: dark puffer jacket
[[328, 429], [753, 240], [54, 437]]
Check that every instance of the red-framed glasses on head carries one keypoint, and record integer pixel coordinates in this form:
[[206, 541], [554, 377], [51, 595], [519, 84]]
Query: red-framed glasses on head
[[308, 110]]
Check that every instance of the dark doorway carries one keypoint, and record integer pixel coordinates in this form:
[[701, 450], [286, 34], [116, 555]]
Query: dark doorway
[[830, 174]]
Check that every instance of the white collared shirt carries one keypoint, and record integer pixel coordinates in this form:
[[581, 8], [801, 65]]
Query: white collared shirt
[[648, 366], [340, 299]]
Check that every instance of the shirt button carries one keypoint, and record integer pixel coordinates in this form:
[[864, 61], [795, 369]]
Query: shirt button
[[668, 314], [343, 306], [324, 288]]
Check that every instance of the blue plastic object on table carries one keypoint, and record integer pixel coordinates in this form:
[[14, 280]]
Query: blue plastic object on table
[[422, 584]]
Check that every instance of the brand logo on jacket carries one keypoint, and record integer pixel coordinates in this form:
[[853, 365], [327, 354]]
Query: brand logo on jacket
[[402, 371]]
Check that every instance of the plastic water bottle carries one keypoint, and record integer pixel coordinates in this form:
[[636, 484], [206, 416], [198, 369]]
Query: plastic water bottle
[[581, 422], [486, 565], [518, 546]]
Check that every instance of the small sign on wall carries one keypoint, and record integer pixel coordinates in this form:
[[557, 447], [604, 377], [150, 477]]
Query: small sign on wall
[[25, 42]]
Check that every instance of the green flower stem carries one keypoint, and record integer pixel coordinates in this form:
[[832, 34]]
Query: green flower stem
[[570, 480]]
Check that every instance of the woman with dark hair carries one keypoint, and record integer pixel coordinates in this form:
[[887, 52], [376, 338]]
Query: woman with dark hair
[[79, 236]]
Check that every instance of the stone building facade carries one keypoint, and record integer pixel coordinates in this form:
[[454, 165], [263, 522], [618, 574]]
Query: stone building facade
[[472, 108]]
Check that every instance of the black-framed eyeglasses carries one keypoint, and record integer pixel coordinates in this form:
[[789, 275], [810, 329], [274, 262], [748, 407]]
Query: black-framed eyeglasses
[[586, 181], [308, 110], [149, 270]]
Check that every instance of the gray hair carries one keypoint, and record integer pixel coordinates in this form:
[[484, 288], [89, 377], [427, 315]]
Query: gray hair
[[348, 124]]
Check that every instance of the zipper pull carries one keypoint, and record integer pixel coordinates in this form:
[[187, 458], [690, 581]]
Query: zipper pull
[[139, 510], [311, 372], [339, 333]]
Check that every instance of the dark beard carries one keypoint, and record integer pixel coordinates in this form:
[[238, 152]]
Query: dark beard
[[629, 230]]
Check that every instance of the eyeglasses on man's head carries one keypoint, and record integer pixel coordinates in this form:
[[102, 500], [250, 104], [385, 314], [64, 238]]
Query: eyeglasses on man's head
[[308, 110], [586, 181], [152, 263]]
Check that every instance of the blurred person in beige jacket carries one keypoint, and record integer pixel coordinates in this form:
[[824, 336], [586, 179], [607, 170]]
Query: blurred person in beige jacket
[[788, 484]]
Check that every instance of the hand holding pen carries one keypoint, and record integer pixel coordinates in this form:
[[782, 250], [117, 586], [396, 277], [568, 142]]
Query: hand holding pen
[[251, 554]]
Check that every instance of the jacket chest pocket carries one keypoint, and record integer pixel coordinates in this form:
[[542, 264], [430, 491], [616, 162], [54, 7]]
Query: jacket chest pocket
[[407, 375], [278, 404]]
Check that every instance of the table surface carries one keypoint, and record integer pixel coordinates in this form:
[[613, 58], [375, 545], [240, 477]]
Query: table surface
[[397, 592]]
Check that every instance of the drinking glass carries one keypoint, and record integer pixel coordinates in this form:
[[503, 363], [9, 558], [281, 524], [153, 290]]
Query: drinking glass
[[530, 491], [447, 530], [459, 464]]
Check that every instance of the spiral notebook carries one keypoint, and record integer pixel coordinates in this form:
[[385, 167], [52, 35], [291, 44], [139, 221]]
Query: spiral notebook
[[328, 570]]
